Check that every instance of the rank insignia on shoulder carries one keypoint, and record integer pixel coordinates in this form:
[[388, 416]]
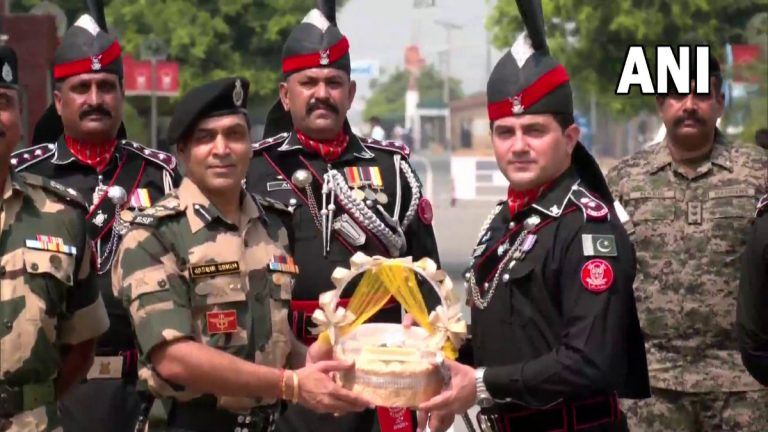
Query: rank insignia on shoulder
[[50, 243], [594, 209], [598, 245], [261, 145], [597, 275], [214, 269], [283, 263], [221, 321]]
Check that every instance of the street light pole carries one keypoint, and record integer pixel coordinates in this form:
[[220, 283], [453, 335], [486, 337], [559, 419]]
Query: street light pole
[[449, 27], [153, 49], [153, 102]]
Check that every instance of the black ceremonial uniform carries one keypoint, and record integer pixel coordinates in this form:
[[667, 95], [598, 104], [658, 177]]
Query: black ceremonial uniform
[[373, 204], [555, 334], [751, 317], [133, 178], [275, 163], [565, 308]]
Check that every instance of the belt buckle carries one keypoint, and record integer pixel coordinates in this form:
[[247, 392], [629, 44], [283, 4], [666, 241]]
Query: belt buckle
[[106, 367]]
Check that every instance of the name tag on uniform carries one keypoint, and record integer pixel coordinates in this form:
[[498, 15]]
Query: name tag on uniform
[[731, 192], [214, 269], [106, 367], [221, 321]]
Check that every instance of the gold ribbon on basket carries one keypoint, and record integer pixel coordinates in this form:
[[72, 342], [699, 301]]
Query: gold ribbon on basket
[[385, 278]]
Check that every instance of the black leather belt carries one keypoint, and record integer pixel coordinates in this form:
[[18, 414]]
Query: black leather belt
[[204, 418], [569, 416]]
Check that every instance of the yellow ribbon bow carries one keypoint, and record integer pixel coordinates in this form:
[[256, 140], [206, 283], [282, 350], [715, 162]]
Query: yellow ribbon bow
[[448, 324]]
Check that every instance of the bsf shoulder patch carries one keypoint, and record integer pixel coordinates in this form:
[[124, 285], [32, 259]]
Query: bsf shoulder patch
[[597, 275], [598, 245]]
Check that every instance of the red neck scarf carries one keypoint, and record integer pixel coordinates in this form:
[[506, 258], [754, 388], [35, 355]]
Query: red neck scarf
[[95, 155], [518, 200], [329, 150]]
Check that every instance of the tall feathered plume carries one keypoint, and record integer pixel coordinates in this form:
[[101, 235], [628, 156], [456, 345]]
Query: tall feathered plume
[[96, 10], [328, 8], [533, 19]]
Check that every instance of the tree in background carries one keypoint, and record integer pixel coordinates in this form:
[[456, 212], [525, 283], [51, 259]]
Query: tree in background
[[591, 37], [388, 98]]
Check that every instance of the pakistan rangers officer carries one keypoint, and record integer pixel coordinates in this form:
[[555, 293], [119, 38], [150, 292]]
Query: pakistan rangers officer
[[348, 193], [751, 319], [555, 334], [207, 275], [50, 309], [690, 200], [81, 145]]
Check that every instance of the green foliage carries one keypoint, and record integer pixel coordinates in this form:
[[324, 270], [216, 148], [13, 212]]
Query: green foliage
[[388, 98], [593, 45], [210, 39]]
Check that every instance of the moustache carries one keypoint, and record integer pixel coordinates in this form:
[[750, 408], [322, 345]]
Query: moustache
[[692, 117], [316, 105], [95, 110]]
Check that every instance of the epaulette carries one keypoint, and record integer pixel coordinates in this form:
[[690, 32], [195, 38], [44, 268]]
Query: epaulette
[[271, 203], [395, 146], [23, 158], [261, 145], [169, 206], [58, 189], [166, 160], [591, 206], [762, 205]]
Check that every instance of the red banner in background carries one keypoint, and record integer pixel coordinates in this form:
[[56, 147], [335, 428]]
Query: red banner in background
[[743, 57], [138, 77]]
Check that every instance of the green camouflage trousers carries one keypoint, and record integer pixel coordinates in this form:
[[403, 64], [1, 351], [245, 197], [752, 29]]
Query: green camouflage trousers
[[675, 411]]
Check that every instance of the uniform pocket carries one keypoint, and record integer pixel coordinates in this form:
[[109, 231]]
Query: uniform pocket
[[728, 219], [220, 307], [51, 275], [275, 351]]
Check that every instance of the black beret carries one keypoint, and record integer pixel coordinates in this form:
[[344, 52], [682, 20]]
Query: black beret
[[221, 97]]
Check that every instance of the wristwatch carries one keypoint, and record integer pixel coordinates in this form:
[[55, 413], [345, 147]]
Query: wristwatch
[[484, 399]]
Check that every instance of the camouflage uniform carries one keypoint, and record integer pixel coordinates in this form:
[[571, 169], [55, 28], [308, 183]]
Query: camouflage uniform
[[185, 272], [689, 233], [48, 298]]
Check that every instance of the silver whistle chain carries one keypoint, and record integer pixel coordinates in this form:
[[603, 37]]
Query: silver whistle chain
[[509, 261]]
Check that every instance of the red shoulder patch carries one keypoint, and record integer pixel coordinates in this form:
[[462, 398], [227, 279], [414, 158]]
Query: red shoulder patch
[[597, 275], [425, 211]]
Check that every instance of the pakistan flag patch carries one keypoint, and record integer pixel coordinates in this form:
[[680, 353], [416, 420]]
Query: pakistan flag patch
[[598, 245]]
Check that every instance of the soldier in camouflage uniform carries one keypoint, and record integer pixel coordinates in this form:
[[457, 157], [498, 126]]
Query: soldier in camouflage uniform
[[690, 200], [50, 309], [751, 317], [207, 275]]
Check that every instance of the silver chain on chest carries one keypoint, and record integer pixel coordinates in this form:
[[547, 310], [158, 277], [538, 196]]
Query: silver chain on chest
[[509, 261]]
